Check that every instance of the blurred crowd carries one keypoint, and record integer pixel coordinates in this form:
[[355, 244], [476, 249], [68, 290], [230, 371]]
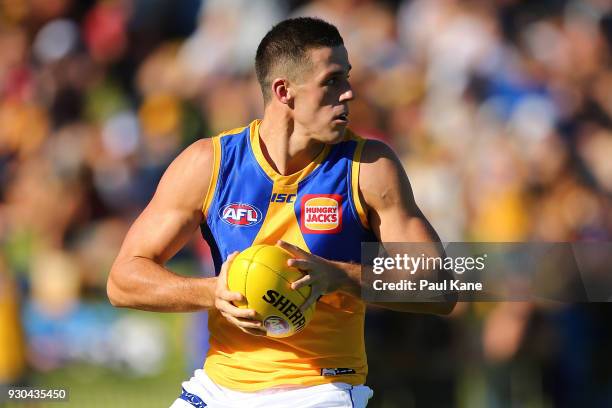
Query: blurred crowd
[[501, 112]]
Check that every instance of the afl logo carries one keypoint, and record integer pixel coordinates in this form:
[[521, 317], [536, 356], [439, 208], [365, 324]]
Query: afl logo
[[239, 214]]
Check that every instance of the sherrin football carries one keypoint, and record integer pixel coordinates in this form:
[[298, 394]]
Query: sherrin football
[[260, 273]]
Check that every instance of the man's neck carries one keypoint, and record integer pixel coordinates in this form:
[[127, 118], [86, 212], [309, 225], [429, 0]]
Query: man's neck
[[285, 146]]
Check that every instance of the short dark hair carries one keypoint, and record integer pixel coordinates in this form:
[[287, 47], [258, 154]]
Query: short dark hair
[[286, 45]]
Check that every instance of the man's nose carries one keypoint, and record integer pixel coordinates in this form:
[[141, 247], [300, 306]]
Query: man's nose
[[347, 95]]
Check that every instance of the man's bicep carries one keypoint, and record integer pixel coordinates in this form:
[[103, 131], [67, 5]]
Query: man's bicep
[[158, 234], [175, 211], [392, 211], [395, 217]]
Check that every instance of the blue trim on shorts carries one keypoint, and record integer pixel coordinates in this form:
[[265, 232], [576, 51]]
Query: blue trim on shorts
[[351, 396], [192, 399]]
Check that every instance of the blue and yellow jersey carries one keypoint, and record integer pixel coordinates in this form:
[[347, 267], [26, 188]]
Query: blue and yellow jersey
[[317, 209]]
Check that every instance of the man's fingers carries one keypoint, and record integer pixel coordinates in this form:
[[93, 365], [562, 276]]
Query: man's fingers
[[315, 293], [228, 308], [221, 289], [311, 299], [244, 319], [303, 281], [301, 264], [242, 313], [228, 262], [245, 324], [231, 296], [293, 249], [249, 324], [254, 332]]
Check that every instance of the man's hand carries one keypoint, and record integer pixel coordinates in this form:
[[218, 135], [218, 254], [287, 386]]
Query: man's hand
[[322, 275], [244, 319]]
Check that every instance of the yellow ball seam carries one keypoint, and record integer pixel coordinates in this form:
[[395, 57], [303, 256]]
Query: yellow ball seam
[[276, 272]]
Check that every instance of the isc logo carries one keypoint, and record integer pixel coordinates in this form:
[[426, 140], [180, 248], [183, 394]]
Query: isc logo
[[240, 214], [282, 198]]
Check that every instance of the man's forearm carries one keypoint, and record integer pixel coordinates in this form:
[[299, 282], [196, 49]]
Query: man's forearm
[[352, 284], [140, 283]]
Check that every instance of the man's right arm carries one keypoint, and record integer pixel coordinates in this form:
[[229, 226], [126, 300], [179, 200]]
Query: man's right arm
[[139, 278]]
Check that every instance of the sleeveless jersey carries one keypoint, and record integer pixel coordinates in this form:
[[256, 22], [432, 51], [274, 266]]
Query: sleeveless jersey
[[317, 209]]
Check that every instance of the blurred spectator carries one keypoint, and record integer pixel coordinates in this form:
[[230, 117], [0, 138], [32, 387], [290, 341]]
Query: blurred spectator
[[501, 113], [12, 345]]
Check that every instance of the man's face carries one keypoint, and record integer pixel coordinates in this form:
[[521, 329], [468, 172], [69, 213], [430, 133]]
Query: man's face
[[320, 104]]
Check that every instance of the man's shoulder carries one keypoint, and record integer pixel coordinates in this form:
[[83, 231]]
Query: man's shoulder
[[370, 148], [380, 169], [238, 130], [369, 144], [200, 150], [203, 152], [377, 149]]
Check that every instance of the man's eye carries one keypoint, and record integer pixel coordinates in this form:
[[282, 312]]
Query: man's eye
[[335, 80]]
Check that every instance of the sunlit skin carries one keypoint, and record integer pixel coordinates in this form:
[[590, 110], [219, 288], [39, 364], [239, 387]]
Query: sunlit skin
[[311, 106], [323, 95]]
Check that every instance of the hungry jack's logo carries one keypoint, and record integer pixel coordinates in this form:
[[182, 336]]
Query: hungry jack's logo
[[321, 214]]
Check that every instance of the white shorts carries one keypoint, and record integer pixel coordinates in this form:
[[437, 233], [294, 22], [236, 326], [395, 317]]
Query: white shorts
[[200, 391]]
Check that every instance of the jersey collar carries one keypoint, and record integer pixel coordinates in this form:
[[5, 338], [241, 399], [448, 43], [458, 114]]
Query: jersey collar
[[269, 170]]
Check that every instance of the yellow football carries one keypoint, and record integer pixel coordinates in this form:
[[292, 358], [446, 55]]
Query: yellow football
[[260, 273]]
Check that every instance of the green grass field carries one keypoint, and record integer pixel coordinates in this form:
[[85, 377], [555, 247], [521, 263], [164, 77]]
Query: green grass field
[[97, 387]]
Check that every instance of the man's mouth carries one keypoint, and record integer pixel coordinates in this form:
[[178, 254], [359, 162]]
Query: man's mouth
[[343, 117]]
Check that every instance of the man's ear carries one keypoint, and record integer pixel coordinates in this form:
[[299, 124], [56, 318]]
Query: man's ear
[[281, 91]]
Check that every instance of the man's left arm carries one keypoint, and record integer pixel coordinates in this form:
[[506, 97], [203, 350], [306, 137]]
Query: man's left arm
[[393, 216]]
